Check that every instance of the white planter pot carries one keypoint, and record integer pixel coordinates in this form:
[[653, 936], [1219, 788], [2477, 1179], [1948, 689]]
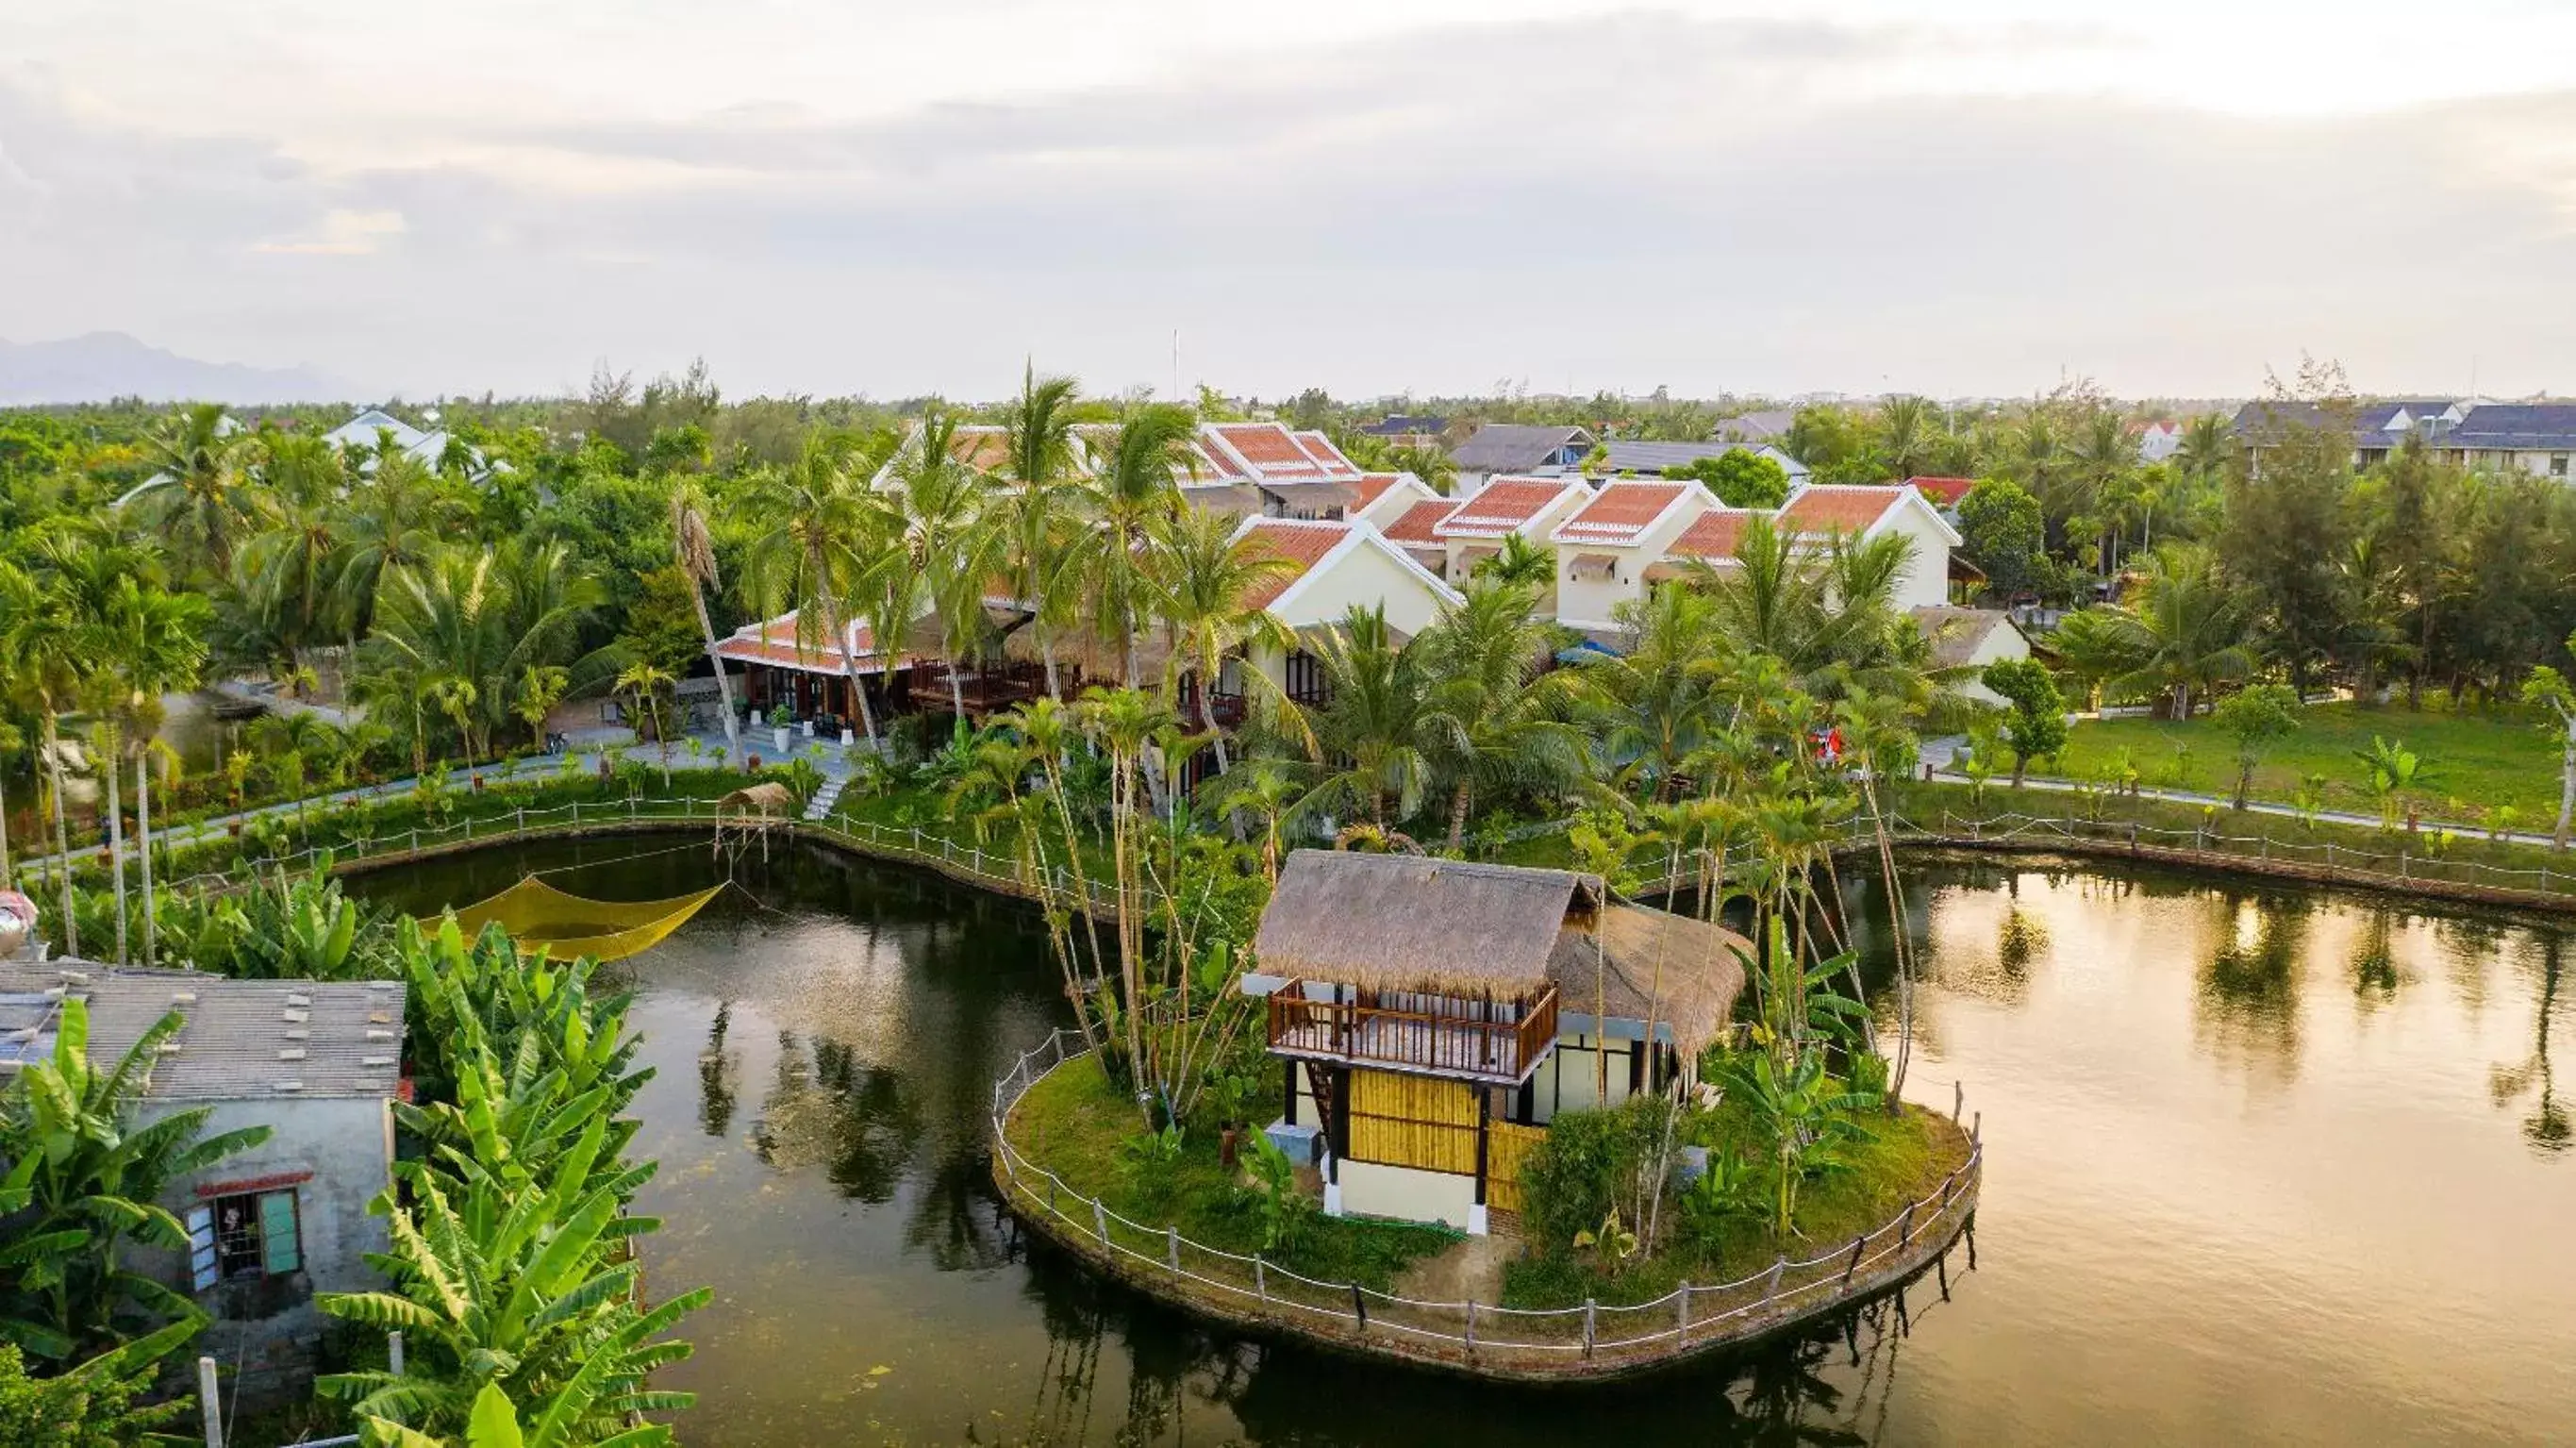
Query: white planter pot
[[781, 733], [847, 739]]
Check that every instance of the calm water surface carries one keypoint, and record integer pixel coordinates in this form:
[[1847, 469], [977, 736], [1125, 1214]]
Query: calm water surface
[[2266, 1166]]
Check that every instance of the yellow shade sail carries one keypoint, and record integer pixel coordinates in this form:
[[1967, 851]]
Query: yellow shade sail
[[541, 917]]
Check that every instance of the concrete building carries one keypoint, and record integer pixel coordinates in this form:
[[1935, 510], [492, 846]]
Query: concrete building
[[1971, 638], [1605, 548], [318, 1064], [1655, 459], [1504, 449], [1819, 511], [1528, 508]]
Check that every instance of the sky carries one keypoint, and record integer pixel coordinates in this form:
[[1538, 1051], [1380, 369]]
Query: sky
[[1972, 198]]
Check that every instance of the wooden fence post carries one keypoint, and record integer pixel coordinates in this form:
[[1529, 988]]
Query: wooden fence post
[[1771, 1288], [1853, 1265], [1359, 1306], [1261, 1279], [1905, 1227], [1589, 1309], [1682, 1316], [1958, 1098], [210, 1403], [1100, 1220], [1172, 1247]]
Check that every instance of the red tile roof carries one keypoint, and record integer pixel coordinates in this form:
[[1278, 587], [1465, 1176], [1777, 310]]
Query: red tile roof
[[1838, 509], [1303, 544], [1216, 465], [774, 643], [1944, 491], [1414, 525], [1265, 445], [1373, 486], [1501, 506], [1714, 534], [1320, 451], [1619, 512], [981, 448]]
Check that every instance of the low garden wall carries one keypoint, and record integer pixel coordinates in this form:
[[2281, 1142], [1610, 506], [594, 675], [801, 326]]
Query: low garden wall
[[1591, 1342]]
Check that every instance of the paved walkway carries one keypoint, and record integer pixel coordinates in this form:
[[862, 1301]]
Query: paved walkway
[[587, 748]]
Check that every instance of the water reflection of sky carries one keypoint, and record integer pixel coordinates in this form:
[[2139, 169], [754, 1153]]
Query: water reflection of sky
[[2263, 1170]]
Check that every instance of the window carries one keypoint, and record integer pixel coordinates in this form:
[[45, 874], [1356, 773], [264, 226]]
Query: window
[[2558, 465], [1305, 678], [245, 1236]]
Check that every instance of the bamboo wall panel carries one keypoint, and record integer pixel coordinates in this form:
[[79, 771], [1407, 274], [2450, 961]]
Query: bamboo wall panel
[[1415, 1121], [1506, 1147]]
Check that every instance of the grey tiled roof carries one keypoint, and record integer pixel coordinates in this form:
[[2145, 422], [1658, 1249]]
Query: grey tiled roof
[[2516, 425], [1511, 447], [1654, 457], [242, 1039]]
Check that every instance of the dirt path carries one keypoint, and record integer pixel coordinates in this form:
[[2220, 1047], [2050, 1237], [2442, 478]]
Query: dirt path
[[1470, 1271]]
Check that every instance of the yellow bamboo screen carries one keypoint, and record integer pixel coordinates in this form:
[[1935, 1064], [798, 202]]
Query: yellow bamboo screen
[[1506, 1147], [1415, 1121]]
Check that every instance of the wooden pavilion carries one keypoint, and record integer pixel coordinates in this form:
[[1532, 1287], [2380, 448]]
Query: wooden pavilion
[[1434, 1015]]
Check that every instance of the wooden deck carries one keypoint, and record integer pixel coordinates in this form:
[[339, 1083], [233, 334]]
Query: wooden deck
[[1437, 1043]]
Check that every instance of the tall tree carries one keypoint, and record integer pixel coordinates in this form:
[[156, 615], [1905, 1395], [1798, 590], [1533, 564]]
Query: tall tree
[[1204, 583], [199, 497], [815, 548], [2288, 529], [157, 645], [1034, 518], [695, 551], [1133, 491], [942, 555], [1497, 723]]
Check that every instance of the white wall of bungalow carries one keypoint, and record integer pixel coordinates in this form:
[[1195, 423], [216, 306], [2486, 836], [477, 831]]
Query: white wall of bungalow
[[1606, 548], [1508, 506], [1340, 565]]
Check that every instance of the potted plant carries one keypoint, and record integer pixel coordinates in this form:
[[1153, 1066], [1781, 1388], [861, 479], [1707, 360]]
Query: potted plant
[[779, 718]]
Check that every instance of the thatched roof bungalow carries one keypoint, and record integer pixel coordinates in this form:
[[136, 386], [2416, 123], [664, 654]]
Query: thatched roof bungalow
[[1435, 1014]]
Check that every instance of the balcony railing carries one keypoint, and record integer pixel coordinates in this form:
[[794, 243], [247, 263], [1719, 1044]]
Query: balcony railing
[[1450, 1042]]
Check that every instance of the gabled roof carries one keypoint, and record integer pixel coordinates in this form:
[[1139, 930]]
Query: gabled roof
[[983, 448], [1320, 451], [1957, 633], [1624, 511], [1714, 535], [241, 1039], [1373, 486], [1401, 424], [1513, 447], [1945, 491], [2508, 425], [1312, 547], [1841, 508], [1761, 426], [1506, 505], [1415, 525], [1268, 452]]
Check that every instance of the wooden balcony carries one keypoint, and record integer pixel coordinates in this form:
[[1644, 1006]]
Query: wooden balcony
[[1460, 1040], [990, 689]]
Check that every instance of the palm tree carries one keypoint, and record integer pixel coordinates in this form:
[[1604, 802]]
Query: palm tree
[[286, 578], [541, 687], [2097, 645], [1123, 722], [157, 644], [1134, 490], [460, 631], [1204, 579], [816, 548], [2187, 630], [694, 549], [395, 519], [1906, 435], [1371, 740], [1655, 704], [646, 680], [1520, 563], [198, 496], [2207, 446], [1496, 722], [53, 655], [944, 554], [1035, 519], [1430, 464]]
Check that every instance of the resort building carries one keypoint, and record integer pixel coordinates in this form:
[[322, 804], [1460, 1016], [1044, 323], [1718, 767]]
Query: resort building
[[1435, 1015], [1606, 547], [1528, 508], [786, 665], [1655, 459], [1333, 567], [1381, 498], [1971, 638], [318, 1064], [1819, 511], [1510, 449]]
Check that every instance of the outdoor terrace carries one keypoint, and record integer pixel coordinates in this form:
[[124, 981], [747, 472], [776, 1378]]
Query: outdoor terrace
[[1495, 1042]]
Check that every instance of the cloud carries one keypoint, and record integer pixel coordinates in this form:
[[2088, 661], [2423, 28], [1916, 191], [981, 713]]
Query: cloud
[[1644, 200], [343, 233]]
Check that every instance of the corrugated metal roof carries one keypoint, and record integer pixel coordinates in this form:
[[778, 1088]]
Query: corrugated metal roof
[[242, 1039]]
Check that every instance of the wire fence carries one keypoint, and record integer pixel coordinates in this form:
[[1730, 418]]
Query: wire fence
[[1593, 1338]]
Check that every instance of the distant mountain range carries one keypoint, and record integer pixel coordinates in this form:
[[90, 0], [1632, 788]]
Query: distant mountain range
[[104, 365]]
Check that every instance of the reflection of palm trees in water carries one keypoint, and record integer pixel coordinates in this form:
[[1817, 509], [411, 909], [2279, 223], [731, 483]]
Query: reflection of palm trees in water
[[2547, 1128], [2374, 962], [827, 1109], [717, 1071], [2248, 1004]]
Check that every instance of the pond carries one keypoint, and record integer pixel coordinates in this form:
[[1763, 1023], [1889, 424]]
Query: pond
[[2268, 1166]]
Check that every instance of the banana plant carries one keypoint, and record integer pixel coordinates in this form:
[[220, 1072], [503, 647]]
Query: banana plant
[[86, 1183]]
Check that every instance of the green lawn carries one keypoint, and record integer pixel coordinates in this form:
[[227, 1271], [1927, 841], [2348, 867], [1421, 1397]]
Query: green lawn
[[2480, 759]]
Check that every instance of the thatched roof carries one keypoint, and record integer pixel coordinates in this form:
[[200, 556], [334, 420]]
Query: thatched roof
[[1693, 995], [769, 800], [1406, 922]]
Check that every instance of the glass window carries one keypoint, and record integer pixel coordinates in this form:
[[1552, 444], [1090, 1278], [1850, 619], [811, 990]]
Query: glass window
[[247, 1235]]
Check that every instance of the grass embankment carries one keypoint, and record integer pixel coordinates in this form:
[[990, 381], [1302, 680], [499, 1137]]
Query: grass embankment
[[1075, 1124], [2481, 759], [1903, 1159]]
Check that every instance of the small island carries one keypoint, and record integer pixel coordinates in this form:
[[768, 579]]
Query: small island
[[1515, 1129]]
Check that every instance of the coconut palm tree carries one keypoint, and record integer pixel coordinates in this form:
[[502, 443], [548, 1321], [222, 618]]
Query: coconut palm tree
[[1907, 433], [541, 687], [459, 632], [1035, 519], [1133, 491], [395, 518], [1370, 742], [285, 579], [1123, 722], [817, 547], [1655, 704], [199, 495], [1496, 722], [943, 554], [1204, 581], [2206, 448], [2097, 645], [52, 656], [693, 547], [2187, 628], [1430, 464]]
